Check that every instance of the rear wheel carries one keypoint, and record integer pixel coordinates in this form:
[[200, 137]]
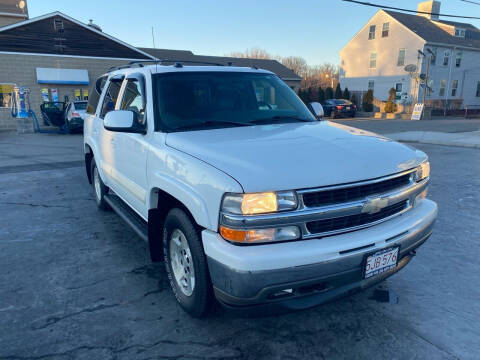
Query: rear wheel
[[186, 263], [99, 188]]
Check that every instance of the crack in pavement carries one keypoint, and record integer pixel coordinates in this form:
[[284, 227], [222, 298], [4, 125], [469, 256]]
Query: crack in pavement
[[55, 319], [35, 205]]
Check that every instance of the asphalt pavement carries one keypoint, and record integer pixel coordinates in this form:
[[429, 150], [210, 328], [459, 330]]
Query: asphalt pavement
[[76, 283]]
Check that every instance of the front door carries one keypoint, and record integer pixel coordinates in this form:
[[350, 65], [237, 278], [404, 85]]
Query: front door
[[130, 150]]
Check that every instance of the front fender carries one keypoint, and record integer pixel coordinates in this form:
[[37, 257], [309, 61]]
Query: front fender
[[196, 184]]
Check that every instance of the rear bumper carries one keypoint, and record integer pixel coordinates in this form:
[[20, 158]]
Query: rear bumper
[[75, 122], [313, 283]]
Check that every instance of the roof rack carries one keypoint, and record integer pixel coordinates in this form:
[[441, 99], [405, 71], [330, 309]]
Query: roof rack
[[142, 63]]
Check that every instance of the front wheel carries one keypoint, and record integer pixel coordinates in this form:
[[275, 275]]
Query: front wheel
[[186, 264], [99, 188]]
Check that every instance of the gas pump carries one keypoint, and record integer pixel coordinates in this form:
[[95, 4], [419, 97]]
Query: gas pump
[[20, 102], [20, 109]]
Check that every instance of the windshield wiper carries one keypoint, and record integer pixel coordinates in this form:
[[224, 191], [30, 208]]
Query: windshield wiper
[[211, 122], [281, 117]]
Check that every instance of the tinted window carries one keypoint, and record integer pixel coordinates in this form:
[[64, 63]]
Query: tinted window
[[80, 105], [95, 93], [342, 102], [110, 98], [221, 98], [133, 100]]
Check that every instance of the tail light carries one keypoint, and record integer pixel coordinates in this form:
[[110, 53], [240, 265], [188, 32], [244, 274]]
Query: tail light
[[355, 107], [339, 107], [75, 114]]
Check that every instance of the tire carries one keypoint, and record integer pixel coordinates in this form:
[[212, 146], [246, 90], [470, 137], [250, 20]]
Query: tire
[[99, 188], [186, 264]]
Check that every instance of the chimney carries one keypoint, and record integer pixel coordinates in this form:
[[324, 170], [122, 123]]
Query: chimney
[[430, 6]]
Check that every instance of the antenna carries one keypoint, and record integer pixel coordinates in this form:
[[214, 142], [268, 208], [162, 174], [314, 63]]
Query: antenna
[[153, 38]]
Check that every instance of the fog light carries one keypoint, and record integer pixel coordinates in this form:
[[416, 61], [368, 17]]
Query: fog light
[[260, 235]]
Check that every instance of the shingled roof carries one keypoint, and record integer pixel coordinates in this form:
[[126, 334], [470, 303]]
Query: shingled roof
[[429, 31], [184, 55]]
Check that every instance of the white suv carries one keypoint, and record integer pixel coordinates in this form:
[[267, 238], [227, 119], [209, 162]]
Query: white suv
[[245, 192]]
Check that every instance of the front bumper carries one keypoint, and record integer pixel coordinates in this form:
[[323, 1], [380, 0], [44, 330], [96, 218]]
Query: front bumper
[[317, 270]]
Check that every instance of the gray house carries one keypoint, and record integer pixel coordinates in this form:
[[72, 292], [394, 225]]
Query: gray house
[[377, 55]]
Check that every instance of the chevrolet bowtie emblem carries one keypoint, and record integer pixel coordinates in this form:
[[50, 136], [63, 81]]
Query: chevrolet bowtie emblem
[[374, 205]]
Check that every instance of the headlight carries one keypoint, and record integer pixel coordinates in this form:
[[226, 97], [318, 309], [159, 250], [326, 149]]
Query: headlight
[[260, 235], [259, 203], [423, 171]]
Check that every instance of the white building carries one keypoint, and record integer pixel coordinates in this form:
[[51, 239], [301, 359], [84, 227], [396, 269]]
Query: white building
[[377, 55]]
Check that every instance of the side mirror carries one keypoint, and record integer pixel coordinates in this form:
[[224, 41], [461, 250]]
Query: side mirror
[[123, 121], [316, 109]]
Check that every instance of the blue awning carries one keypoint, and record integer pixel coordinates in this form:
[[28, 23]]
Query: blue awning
[[62, 76]]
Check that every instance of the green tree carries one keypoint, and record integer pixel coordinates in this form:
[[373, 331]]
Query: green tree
[[338, 92], [321, 95], [328, 93], [367, 103], [310, 95], [391, 105], [346, 94]]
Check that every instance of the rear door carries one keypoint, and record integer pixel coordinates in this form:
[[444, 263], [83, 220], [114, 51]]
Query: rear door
[[130, 150]]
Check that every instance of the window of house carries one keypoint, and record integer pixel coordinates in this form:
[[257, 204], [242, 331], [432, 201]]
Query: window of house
[[443, 85], [401, 57], [96, 91], [478, 89], [373, 60], [446, 56], [460, 32], [458, 58], [134, 100], [6, 95], [429, 87], [385, 29], [110, 98], [371, 33], [433, 58], [371, 84], [454, 87]]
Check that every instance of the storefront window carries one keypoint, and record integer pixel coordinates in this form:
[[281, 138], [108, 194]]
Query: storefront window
[[5, 94], [80, 94]]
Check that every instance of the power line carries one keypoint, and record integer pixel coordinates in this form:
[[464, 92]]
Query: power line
[[471, 2], [410, 11]]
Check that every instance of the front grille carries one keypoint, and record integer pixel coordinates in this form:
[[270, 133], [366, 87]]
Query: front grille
[[352, 193], [345, 222]]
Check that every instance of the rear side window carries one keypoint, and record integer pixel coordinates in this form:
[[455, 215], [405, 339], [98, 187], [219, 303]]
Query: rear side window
[[95, 93], [134, 100], [110, 98]]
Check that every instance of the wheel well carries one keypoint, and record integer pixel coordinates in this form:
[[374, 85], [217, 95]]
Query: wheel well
[[161, 203], [88, 162]]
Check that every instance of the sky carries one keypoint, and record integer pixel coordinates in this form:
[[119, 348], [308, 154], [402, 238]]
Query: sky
[[313, 29]]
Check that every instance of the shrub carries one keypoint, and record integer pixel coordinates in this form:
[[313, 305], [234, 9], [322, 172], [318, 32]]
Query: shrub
[[338, 92], [391, 105], [367, 103], [346, 94], [328, 93], [321, 95]]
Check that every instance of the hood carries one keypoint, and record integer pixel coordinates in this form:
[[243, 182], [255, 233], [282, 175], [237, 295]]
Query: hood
[[296, 155]]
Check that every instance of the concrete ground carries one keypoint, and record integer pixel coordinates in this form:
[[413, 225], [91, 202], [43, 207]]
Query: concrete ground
[[76, 283]]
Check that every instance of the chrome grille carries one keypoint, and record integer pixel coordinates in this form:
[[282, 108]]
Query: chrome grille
[[352, 193], [346, 222]]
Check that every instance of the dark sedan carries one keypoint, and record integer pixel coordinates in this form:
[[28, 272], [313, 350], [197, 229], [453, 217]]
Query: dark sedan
[[339, 108]]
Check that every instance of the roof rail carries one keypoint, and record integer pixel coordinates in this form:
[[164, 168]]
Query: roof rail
[[142, 63]]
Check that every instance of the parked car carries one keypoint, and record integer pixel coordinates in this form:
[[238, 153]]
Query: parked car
[[74, 113], [339, 108], [245, 193]]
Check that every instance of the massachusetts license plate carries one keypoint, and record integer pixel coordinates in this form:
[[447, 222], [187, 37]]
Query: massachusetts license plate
[[381, 261]]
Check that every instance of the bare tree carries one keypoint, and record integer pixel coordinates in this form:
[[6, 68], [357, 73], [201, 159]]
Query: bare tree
[[295, 63], [252, 53]]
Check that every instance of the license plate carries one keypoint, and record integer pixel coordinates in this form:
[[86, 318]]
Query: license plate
[[348, 107], [381, 261]]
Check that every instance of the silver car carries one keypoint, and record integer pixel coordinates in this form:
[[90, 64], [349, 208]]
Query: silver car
[[74, 113]]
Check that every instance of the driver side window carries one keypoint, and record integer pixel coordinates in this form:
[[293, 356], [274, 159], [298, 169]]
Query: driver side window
[[134, 100], [110, 98]]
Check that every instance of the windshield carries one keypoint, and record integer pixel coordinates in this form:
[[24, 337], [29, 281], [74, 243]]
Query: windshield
[[205, 100], [342, 102], [80, 105]]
